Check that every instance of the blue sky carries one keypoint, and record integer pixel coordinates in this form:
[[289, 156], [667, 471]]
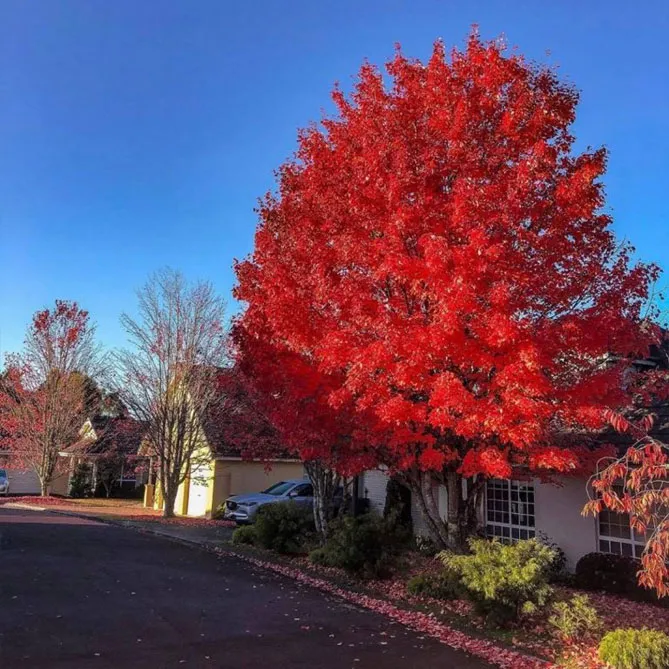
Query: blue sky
[[135, 135]]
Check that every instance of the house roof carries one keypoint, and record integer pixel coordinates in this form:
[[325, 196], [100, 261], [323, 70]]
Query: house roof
[[234, 427], [659, 430], [122, 434]]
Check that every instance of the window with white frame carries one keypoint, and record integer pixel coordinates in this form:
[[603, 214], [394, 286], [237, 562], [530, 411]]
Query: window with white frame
[[127, 474], [617, 536], [509, 509]]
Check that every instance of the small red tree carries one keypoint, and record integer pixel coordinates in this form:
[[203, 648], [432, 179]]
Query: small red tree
[[43, 391], [636, 483], [438, 249]]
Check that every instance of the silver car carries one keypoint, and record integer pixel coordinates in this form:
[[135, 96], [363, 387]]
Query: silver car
[[243, 508], [4, 482]]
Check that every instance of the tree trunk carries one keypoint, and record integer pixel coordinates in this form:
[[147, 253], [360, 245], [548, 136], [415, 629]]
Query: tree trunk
[[420, 484], [462, 512], [169, 498], [325, 483], [44, 488]]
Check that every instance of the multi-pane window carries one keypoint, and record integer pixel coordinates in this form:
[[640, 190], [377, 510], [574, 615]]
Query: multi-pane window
[[617, 536], [509, 510]]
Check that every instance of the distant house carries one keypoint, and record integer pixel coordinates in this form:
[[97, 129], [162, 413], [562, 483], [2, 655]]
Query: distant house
[[22, 481], [107, 446], [218, 469], [525, 508]]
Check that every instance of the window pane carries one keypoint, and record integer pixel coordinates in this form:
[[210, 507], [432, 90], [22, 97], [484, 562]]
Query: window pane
[[509, 510]]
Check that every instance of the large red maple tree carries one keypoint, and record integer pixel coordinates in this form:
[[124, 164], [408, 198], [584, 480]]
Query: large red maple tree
[[439, 247]]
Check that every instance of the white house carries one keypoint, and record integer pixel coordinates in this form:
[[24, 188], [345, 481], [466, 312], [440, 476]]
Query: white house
[[515, 510]]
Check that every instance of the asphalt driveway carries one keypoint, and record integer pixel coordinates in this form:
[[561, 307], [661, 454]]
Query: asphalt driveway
[[77, 594]]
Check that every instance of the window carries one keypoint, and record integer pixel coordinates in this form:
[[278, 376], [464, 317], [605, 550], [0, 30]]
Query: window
[[306, 490], [127, 475], [509, 510], [616, 535], [280, 488]]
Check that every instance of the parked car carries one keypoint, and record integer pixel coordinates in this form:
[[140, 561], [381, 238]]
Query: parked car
[[4, 482], [243, 508]]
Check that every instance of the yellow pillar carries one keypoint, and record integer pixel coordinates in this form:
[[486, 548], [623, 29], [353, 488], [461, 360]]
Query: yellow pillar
[[181, 502], [149, 494], [158, 497]]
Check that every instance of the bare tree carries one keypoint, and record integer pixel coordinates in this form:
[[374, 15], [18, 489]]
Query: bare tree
[[43, 390], [169, 377]]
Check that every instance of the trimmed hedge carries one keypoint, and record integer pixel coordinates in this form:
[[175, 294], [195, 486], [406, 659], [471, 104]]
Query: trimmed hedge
[[244, 535], [616, 574]]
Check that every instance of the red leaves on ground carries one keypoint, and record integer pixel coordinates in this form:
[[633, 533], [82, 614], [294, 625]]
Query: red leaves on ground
[[420, 622]]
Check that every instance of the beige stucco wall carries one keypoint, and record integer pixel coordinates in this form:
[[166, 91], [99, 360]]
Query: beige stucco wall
[[557, 512], [235, 477], [23, 482], [224, 478], [60, 484], [558, 515]]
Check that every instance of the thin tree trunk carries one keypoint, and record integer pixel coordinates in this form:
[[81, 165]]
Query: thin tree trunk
[[169, 498], [454, 509], [461, 515], [421, 487], [325, 483]]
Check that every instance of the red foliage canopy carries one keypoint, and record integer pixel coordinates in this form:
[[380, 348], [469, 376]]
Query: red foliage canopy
[[42, 393], [283, 390], [637, 484], [438, 254]]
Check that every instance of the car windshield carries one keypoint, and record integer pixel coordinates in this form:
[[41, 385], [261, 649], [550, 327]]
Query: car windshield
[[280, 488], [3, 474]]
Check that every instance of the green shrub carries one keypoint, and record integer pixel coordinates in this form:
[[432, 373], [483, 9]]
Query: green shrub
[[80, 482], [285, 527], [364, 545], [602, 571], [635, 649], [319, 556], [504, 580], [557, 571], [444, 585], [616, 574], [244, 535], [397, 509], [575, 618], [219, 512], [426, 545]]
